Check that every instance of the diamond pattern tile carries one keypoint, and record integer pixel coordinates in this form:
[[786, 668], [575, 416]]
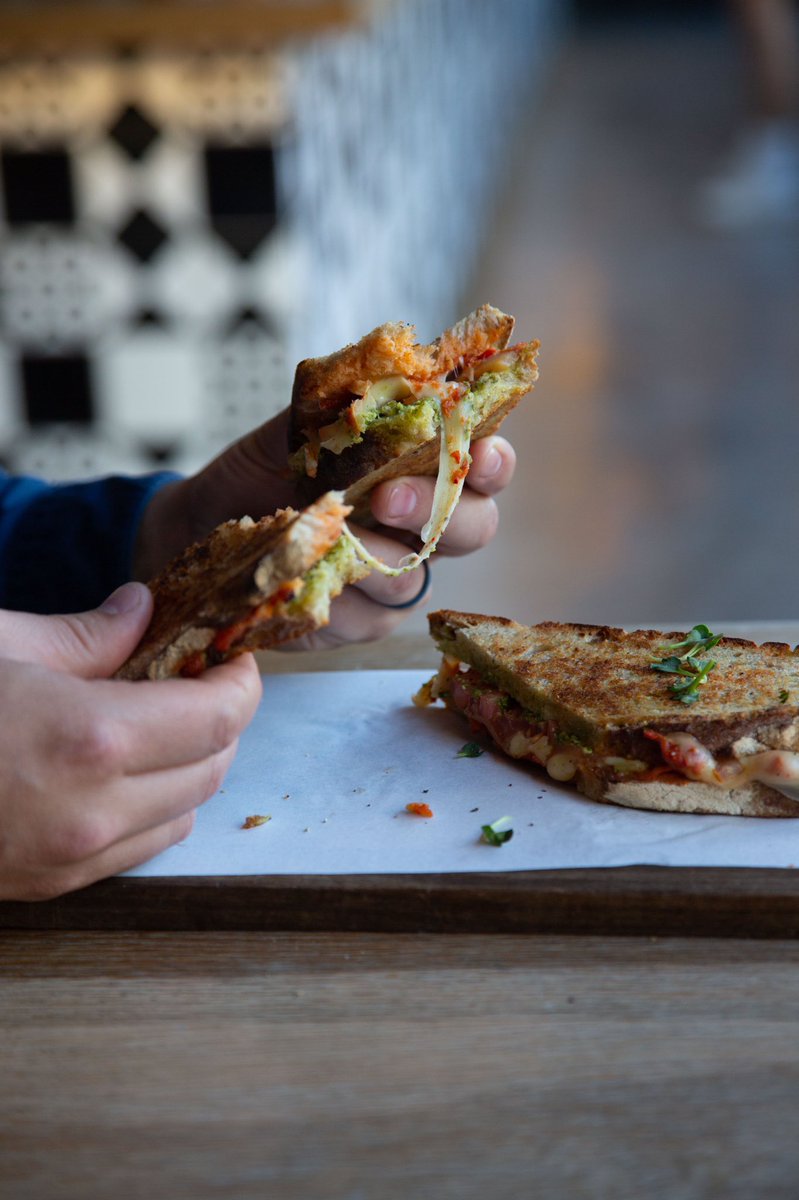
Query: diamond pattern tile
[[133, 132], [142, 236]]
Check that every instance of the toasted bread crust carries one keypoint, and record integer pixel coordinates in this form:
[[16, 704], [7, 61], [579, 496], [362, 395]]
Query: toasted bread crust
[[703, 799], [597, 684], [218, 582], [323, 386]]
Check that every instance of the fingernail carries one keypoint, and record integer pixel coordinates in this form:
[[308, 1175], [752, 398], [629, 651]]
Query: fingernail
[[491, 463], [124, 600], [401, 501]]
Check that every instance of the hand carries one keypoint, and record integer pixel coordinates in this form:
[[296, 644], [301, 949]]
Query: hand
[[97, 775], [250, 477]]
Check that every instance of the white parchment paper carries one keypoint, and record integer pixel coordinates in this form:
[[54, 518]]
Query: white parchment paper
[[333, 758]]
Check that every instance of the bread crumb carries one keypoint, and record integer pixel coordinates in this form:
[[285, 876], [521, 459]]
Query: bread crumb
[[255, 820]]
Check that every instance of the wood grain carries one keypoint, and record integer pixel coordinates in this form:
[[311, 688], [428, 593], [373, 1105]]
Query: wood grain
[[92, 24], [302, 1066], [648, 901]]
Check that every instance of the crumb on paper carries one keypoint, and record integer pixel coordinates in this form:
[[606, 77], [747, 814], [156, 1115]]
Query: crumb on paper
[[255, 820], [474, 810], [419, 810], [358, 791], [287, 796], [425, 791]]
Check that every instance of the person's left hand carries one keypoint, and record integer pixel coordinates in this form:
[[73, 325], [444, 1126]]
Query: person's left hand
[[251, 477]]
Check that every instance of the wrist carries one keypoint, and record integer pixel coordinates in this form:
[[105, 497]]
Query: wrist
[[164, 529]]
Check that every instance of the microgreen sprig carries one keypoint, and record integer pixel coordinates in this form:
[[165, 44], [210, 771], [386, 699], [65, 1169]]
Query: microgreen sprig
[[497, 833], [700, 638], [680, 659]]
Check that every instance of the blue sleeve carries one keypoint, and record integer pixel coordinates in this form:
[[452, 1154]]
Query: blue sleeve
[[65, 547]]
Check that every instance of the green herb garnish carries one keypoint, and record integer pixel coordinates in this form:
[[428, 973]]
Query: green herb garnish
[[495, 834], [700, 638], [470, 750], [784, 696], [680, 659]]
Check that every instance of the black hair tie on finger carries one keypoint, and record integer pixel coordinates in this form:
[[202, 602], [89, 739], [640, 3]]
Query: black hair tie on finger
[[420, 595]]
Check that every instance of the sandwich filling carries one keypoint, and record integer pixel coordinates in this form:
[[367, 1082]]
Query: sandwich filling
[[302, 601], [404, 413], [676, 758], [685, 754]]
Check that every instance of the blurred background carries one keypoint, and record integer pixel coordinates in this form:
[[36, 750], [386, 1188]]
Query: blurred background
[[193, 196]]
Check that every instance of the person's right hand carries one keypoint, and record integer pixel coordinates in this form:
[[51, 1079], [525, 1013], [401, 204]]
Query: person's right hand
[[98, 775]]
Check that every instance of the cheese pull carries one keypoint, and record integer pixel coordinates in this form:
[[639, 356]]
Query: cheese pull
[[454, 460]]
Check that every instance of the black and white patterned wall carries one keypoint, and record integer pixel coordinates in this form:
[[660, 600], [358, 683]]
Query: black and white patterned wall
[[176, 230]]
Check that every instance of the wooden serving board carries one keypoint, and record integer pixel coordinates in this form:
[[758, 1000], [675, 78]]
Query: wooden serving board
[[625, 901], [619, 901]]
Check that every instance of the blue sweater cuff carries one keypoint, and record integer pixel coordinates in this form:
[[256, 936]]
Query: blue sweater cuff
[[64, 548]]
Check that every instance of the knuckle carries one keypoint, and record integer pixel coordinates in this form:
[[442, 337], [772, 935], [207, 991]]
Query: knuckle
[[235, 707], [217, 770], [76, 838], [75, 636], [383, 622], [225, 727], [184, 826], [490, 522], [91, 744]]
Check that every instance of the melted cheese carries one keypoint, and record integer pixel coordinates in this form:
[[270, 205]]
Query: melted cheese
[[347, 428], [454, 461], [495, 362], [777, 769], [456, 420]]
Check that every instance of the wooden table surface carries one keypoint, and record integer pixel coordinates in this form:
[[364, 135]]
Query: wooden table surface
[[394, 1065]]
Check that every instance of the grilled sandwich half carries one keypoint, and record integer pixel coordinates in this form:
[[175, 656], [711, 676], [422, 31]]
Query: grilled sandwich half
[[626, 717], [250, 585], [388, 406]]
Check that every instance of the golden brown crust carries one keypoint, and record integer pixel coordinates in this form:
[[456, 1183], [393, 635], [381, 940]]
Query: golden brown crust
[[604, 674], [218, 582], [323, 386]]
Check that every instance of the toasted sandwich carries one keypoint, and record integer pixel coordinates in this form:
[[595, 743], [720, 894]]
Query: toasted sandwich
[[689, 723], [387, 406], [250, 585]]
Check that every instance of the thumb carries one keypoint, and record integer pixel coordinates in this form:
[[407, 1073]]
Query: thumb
[[90, 644]]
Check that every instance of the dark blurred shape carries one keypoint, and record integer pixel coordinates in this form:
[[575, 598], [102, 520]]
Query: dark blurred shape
[[133, 132], [758, 185], [159, 453], [37, 186], [142, 236], [242, 194], [149, 318], [57, 389], [591, 12], [250, 318]]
